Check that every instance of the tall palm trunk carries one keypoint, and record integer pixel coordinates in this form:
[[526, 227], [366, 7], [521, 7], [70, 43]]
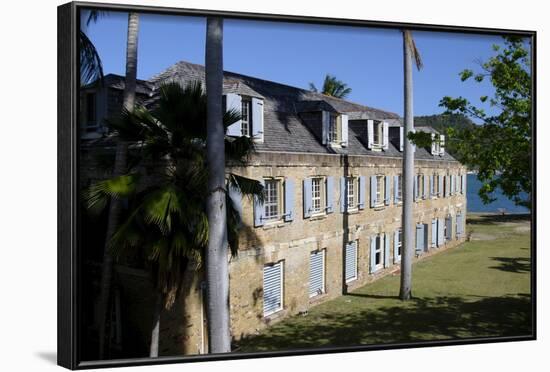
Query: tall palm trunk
[[409, 50], [217, 269], [121, 154], [155, 331]]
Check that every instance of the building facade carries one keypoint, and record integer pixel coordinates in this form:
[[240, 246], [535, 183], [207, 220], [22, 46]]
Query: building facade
[[331, 217]]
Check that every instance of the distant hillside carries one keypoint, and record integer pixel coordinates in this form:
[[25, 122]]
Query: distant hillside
[[441, 122]]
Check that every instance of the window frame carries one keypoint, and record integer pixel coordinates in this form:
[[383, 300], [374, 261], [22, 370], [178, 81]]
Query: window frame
[[420, 185], [323, 252], [379, 249], [279, 202], [322, 196], [355, 196], [282, 286], [356, 265], [380, 190], [377, 133], [246, 102], [399, 188], [435, 186], [400, 243]]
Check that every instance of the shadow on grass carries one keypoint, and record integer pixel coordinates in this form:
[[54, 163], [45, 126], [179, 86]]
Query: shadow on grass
[[493, 219], [420, 319], [513, 264]]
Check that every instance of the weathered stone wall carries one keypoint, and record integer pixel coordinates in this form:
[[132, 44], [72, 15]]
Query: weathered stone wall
[[293, 241]]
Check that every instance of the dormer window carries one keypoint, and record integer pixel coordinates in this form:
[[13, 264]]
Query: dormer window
[[334, 129], [251, 110], [438, 144], [377, 132], [245, 116]]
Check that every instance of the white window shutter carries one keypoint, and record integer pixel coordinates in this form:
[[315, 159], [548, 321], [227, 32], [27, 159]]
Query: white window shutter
[[344, 128], [289, 200], [325, 118], [441, 145], [330, 194], [258, 119], [307, 197], [372, 260], [362, 192], [401, 138], [233, 102], [385, 139], [387, 188], [370, 133], [434, 152], [373, 191]]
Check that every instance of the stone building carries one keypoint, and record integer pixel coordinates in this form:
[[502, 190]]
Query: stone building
[[331, 220]]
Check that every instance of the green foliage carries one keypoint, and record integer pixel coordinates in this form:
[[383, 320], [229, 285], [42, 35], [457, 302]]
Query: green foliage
[[166, 216], [332, 87], [500, 148], [442, 123]]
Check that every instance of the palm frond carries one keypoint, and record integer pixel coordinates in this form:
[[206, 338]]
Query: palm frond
[[411, 45], [230, 117], [246, 186], [91, 68], [98, 194], [239, 148], [313, 88]]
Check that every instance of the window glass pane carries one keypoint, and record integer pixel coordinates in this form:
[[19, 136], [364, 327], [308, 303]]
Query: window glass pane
[[271, 202], [316, 195]]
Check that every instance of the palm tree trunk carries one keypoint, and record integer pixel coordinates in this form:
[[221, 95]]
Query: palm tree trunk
[[216, 256], [120, 165], [154, 346], [408, 178]]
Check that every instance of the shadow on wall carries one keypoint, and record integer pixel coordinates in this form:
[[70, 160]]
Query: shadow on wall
[[424, 319]]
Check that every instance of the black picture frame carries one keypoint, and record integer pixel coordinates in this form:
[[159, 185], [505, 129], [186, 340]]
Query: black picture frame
[[69, 265]]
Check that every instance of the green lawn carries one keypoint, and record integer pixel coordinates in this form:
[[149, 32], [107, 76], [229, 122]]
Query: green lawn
[[481, 288]]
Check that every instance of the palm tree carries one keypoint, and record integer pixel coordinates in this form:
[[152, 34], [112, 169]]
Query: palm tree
[[91, 68], [120, 165], [409, 51], [166, 219], [217, 267], [332, 87]]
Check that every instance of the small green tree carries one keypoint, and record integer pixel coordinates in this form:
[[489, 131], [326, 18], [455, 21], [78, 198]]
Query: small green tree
[[166, 189], [332, 87], [500, 148]]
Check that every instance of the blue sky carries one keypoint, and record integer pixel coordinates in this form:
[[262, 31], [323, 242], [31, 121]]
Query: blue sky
[[369, 60]]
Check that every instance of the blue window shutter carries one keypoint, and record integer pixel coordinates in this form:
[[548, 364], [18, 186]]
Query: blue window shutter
[[415, 191], [425, 187], [372, 191], [440, 180], [434, 233], [447, 185], [258, 119], [396, 257], [343, 194], [372, 267], [440, 236], [395, 189], [370, 133], [233, 102], [289, 199], [362, 189], [307, 197], [419, 238], [330, 194], [386, 250], [452, 188], [344, 121], [449, 223], [387, 193], [259, 210], [432, 186], [325, 119]]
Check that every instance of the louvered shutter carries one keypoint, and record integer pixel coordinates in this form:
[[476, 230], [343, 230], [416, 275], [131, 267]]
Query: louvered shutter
[[385, 136], [425, 187], [234, 102], [387, 188], [330, 194], [440, 231], [432, 186], [419, 238], [344, 127], [316, 273], [415, 187], [370, 134], [396, 257], [325, 120], [362, 189], [372, 266], [440, 180], [386, 250], [289, 199], [434, 233], [395, 189], [258, 119], [259, 210], [273, 288], [307, 197], [449, 223], [401, 138], [343, 194], [351, 261], [373, 191]]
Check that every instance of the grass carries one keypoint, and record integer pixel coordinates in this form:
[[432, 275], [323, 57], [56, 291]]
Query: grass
[[478, 289]]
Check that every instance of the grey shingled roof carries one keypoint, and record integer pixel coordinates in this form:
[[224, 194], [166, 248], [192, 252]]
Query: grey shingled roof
[[284, 131], [118, 82]]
